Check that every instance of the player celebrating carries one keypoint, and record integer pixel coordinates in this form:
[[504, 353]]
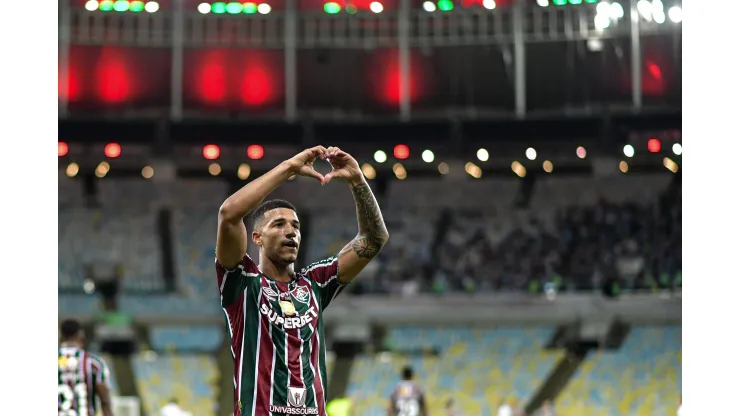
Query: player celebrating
[[83, 376], [274, 313], [407, 398]]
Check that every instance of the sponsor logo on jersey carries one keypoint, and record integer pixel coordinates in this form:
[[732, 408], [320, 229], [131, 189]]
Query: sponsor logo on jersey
[[297, 396], [292, 322], [301, 294], [269, 293], [286, 410]]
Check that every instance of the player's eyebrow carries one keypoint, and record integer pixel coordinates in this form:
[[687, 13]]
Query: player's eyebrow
[[282, 219]]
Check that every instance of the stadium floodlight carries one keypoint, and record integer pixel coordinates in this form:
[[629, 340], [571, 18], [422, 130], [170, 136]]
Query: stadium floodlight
[[249, 8], [624, 167], [332, 7], [234, 8], [218, 7], [92, 5], [351, 8], [376, 7], [603, 8], [575, 1], [543, 3], [151, 7], [211, 152], [445, 5], [147, 172], [204, 8], [617, 12], [443, 168], [106, 6], [482, 155], [136, 6], [489, 4], [380, 156], [547, 166], [264, 8], [368, 170], [560, 2], [255, 151], [659, 18], [121, 6], [675, 13], [581, 152], [645, 8], [628, 150], [531, 153], [429, 6], [677, 149], [112, 150], [427, 156], [601, 21], [63, 149], [72, 169], [214, 169]]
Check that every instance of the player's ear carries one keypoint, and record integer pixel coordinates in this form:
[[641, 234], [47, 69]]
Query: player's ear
[[257, 238]]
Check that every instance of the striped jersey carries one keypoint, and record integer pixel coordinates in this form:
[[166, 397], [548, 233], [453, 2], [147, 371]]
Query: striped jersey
[[79, 372], [407, 399], [277, 337]]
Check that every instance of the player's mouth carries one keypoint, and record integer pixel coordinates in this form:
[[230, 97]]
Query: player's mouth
[[291, 244]]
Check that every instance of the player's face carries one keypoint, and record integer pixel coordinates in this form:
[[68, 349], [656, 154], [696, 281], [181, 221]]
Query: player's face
[[280, 235]]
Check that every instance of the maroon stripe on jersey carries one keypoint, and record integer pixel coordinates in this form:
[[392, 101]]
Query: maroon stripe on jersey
[[89, 377], [262, 397], [235, 313]]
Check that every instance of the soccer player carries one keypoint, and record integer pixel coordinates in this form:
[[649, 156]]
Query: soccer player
[[83, 376], [274, 313], [407, 399]]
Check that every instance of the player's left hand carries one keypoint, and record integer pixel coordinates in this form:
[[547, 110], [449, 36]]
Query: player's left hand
[[343, 166]]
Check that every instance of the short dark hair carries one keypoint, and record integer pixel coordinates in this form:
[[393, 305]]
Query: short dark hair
[[70, 328], [407, 373], [260, 211]]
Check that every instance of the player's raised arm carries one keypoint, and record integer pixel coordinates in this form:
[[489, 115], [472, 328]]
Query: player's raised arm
[[231, 240], [372, 234]]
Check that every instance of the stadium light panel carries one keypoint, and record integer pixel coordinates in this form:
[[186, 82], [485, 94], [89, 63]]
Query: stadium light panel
[[547, 166], [244, 171], [560, 2], [218, 7], [72, 170], [543, 3], [368, 170], [443, 168], [264, 8], [675, 13], [628, 150], [332, 7], [211, 152], [92, 5], [102, 169], [445, 5], [250, 8], [376, 7], [429, 6], [653, 145], [592, 1], [616, 11], [489, 4], [581, 152], [137, 6], [204, 8], [670, 165], [351, 8], [121, 6], [401, 151], [234, 8], [400, 171], [427, 156], [106, 6], [112, 150], [677, 149], [255, 151], [151, 7], [214, 169], [624, 167], [380, 156], [147, 172], [63, 149], [575, 1], [482, 155], [531, 153]]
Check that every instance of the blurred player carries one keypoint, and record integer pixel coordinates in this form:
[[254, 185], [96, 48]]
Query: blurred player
[[274, 313], [407, 398], [83, 376]]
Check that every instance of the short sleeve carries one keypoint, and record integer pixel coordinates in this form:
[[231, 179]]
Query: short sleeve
[[231, 283], [324, 275], [101, 372]]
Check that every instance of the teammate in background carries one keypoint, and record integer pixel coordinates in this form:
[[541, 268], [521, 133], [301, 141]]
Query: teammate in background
[[407, 398], [275, 314], [83, 376]]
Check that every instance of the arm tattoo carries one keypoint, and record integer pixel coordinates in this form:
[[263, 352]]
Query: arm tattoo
[[373, 234]]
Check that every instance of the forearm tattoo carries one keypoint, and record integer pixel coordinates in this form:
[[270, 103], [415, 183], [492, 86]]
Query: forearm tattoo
[[373, 234]]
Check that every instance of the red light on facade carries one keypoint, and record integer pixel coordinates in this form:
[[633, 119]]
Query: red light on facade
[[211, 152], [401, 151], [63, 149], [654, 145], [255, 151], [112, 150]]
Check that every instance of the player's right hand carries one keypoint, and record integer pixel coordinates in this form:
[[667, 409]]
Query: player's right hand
[[302, 163]]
